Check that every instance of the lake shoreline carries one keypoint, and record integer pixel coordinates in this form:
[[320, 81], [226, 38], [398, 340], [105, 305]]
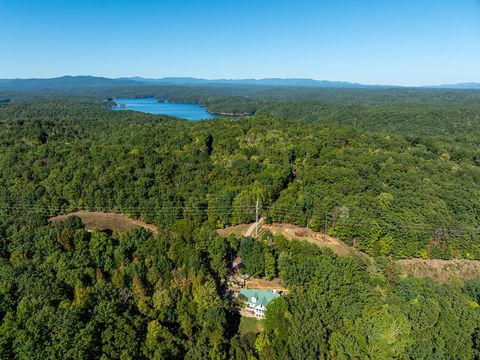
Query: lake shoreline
[[151, 105], [213, 114], [230, 114]]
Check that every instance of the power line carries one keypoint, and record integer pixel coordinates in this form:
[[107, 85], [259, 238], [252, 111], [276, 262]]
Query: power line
[[269, 211]]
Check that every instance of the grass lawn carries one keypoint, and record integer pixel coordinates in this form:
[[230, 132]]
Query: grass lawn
[[248, 324]]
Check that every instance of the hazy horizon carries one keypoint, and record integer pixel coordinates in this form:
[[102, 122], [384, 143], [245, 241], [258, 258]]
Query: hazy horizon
[[134, 77]]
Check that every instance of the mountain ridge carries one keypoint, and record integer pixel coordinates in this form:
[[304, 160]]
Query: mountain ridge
[[99, 81]]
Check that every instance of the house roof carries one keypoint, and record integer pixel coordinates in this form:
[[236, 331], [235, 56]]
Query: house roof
[[237, 261], [263, 296]]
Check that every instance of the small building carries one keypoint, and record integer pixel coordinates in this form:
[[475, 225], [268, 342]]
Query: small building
[[236, 263], [257, 300]]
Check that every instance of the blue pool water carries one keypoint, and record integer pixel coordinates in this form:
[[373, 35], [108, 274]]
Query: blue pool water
[[186, 111]]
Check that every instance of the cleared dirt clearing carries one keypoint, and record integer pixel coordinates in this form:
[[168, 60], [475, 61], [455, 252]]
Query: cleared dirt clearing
[[263, 284], [106, 221], [441, 270], [293, 232], [237, 230]]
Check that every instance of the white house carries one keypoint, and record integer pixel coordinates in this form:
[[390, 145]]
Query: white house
[[257, 300]]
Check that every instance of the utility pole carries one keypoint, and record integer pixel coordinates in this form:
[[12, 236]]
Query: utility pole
[[256, 219]]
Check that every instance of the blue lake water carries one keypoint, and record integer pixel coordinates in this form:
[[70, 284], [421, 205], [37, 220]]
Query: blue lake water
[[186, 111]]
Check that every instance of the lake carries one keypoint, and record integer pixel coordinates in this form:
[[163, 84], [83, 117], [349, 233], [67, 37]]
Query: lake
[[186, 111]]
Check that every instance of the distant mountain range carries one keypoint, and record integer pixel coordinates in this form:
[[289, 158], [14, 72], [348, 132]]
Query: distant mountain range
[[262, 82], [64, 82], [93, 81]]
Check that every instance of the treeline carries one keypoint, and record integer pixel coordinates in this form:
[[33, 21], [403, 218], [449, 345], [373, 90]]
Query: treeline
[[217, 93]]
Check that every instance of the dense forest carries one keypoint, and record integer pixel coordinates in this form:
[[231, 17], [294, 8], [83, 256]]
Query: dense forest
[[395, 180], [67, 293], [387, 193]]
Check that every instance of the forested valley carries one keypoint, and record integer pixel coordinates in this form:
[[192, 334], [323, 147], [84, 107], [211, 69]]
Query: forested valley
[[393, 179]]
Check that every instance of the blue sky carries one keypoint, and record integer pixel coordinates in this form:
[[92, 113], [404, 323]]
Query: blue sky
[[405, 42]]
